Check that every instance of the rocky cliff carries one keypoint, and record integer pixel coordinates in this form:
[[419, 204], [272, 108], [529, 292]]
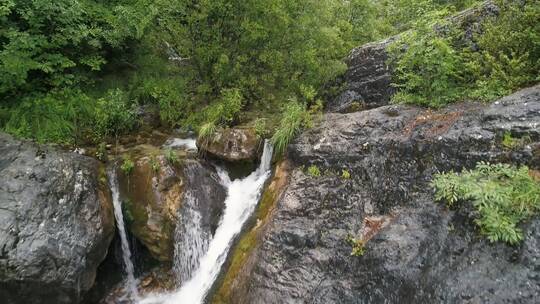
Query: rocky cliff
[[419, 251]]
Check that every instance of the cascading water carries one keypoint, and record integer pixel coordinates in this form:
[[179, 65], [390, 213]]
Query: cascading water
[[242, 197], [191, 241], [131, 284]]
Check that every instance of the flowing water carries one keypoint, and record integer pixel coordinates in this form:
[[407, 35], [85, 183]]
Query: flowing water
[[190, 144], [131, 284], [242, 197], [191, 241]]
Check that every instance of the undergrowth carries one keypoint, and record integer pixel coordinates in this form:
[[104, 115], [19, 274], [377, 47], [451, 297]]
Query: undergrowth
[[435, 64]]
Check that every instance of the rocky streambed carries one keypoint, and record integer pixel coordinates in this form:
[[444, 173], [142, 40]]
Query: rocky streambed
[[362, 172]]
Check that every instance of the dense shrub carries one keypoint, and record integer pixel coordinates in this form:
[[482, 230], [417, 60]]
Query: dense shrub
[[435, 68], [503, 197], [50, 51], [264, 50], [114, 114]]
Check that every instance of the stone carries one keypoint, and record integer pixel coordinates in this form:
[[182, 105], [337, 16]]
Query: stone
[[154, 192], [56, 220], [232, 145]]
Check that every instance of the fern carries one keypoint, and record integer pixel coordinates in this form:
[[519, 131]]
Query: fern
[[503, 196]]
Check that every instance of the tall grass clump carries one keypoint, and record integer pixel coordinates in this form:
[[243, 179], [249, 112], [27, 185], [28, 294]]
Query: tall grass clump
[[294, 118]]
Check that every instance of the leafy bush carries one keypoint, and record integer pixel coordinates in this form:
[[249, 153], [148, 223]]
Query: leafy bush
[[260, 48], [345, 174], [503, 197], [294, 118], [430, 71], [434, 69], [114, 114], [509, 56]]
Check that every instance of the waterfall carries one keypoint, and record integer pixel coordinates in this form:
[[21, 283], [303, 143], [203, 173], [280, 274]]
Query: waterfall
[[191, 241], [131, 284], [242, 197]]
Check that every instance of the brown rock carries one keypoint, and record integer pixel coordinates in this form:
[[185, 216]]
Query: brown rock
[[232, 144]]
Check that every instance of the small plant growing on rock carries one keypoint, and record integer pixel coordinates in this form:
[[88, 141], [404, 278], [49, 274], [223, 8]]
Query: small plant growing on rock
[[101, 152], [127, 166], [154, 164], [260, 127], [314, 171], [294, 118], [503, 196], [207, 130], [510, 142], [172, 157], [358, 246], [345, 174]]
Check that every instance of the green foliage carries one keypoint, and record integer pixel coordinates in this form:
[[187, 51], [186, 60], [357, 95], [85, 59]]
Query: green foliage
[[50, 51], [358, 246], [172, 157], [101, 152], [154, 164], [508, 141], [127, 165], [56, 44], [345, 174], [429, 72], [207, 130], [260, 126], [114, 114], [53, 117], [509, 56], [203, 63], [294, 118], [314, 171], [503, 197], [258, 48], [435, 69]]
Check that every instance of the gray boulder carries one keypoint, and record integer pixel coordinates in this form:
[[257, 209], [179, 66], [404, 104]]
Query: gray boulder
[[418, 250], [56, 223]]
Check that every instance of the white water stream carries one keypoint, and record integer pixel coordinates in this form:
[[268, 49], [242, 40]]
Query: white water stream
[[131, 283], [242, 197]]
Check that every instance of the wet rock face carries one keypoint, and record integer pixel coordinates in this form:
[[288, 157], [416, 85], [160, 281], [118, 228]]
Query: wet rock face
[[233, 145], [151, 195], [368, 79], [56, 223], [154, 192], [423, 252]]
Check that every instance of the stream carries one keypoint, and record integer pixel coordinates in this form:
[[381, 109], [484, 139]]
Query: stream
[[242, 198]]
